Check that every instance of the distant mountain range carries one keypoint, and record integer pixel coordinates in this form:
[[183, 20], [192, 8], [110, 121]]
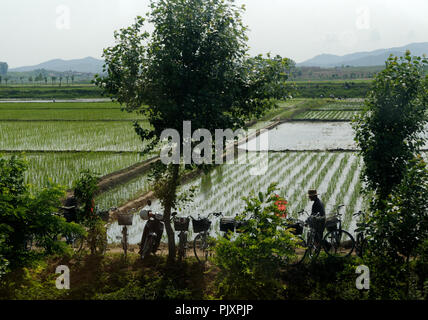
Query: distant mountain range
[[85, 65], [364, 59]]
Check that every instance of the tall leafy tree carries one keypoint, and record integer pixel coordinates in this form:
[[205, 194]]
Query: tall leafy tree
[[390, 135], [389, 131], [193, 67]]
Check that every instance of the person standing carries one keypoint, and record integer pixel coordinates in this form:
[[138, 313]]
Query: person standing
[[318, 212]]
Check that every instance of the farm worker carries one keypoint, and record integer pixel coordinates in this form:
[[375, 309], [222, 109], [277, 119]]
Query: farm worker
[[318, 211]]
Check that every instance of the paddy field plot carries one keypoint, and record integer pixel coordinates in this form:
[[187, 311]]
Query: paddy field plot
[[328, 115], [69, 136], [335, 175], [61, 139], [64, 167]]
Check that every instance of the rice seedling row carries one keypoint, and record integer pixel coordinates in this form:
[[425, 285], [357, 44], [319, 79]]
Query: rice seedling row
[[69, 136], [64, 168], [67, 114], [327, 115], [224, 187]]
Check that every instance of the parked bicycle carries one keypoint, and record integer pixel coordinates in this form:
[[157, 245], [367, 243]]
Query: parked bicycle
[[361, 241], [181, 225], [297, 227], [337, 242], [77, 242], [203, 244], [311, 246]]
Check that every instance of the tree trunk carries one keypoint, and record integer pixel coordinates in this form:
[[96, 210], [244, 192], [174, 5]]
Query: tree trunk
[[170, 197]]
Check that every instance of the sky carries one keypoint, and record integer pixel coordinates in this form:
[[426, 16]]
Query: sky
[[34, 31]]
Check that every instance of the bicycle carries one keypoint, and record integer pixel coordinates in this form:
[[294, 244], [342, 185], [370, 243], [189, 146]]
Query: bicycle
[[312, 245], [337, 242], [98, 242], [181, 225], [361, 241], [203, 244], [296, 227]]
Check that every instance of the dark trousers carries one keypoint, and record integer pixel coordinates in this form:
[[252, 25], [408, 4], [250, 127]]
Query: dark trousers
[[319, 229]]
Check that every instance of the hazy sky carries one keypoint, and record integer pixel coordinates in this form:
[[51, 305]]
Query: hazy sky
[[33, 31]]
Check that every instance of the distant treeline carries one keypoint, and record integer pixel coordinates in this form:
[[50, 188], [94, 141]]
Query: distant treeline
[[42, 92], [335, 89], [351, 89]]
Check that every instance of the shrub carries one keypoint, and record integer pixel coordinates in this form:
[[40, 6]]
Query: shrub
[[26, 217], [250, 265]]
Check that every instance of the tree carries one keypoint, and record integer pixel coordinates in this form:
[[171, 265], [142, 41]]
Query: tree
[[28, 217], [407, 211], [388, 132], [193, 67], [53, 79], [85, 189], [3, 68], [60, 80]]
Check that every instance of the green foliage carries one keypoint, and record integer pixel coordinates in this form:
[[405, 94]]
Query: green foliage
[[327, 278], [85, 189], [30, 92], [403, 225], [250, 264], [344, 89], [388, 131], [27, 217]]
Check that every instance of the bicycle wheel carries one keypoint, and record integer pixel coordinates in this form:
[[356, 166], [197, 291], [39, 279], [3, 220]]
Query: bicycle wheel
[[299, 253], [338, 243], [361, 248], [182, 246], [312, 248], [203, 247], [148, 247], [77, 244]]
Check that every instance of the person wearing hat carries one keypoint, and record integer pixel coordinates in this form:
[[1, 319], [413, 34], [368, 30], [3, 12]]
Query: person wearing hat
[[318, 206], [318, 211]]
